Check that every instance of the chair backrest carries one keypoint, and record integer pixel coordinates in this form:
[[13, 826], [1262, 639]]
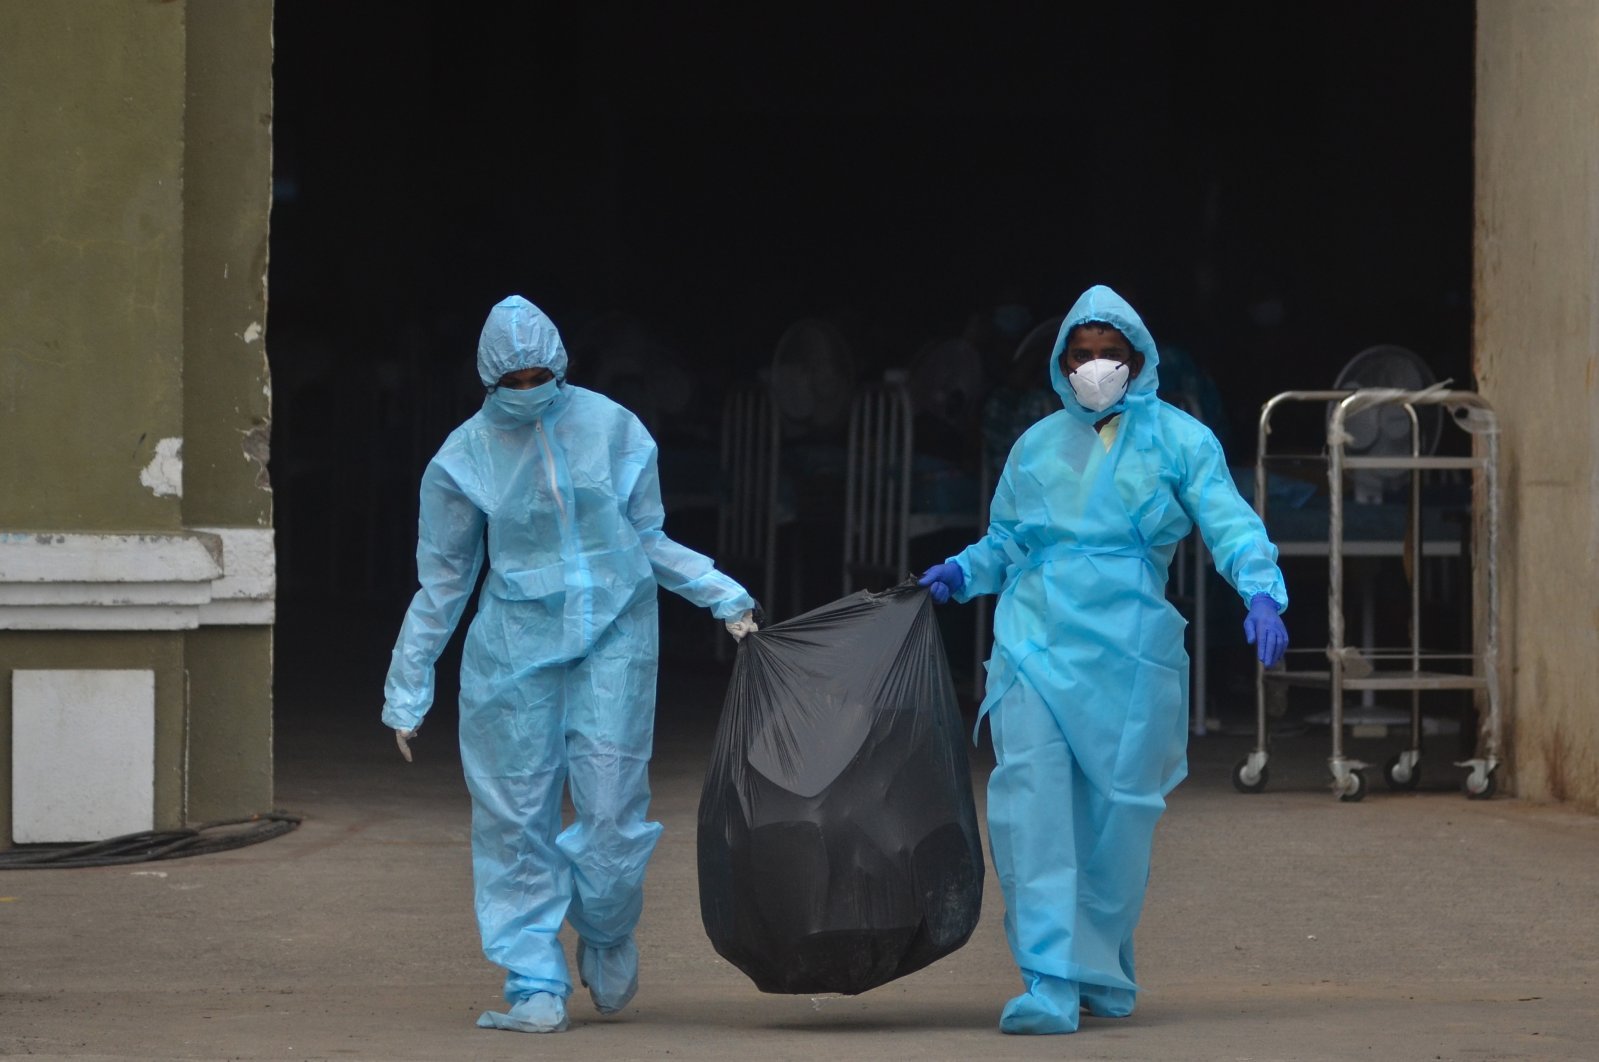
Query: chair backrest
[[877, 485], [746, 515]]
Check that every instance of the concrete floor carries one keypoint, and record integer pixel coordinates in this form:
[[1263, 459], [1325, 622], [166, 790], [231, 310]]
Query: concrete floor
[[1279, 926]]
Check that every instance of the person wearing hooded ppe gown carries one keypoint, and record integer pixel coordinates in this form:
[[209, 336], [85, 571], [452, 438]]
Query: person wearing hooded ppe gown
[[1087, 690], [555, 486]]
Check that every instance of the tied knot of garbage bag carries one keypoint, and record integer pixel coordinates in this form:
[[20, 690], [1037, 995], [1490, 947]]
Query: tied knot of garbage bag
[[838, 843]]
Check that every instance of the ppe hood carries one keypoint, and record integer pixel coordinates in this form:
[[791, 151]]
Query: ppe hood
[[517, 336], [1101, 305]]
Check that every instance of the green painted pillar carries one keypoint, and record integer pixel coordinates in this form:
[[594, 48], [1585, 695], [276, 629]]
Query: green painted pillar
[[227, 394], [135, 521]]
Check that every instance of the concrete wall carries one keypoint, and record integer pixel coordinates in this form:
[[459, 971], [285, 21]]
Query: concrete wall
[[134, 393], [1536, 346]]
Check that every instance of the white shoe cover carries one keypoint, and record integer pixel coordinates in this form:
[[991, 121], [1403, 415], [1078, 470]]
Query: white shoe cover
[[610, 974], [541, 1012]]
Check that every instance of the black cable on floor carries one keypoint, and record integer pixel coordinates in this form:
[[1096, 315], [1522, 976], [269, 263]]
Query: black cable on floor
[[152, 845]]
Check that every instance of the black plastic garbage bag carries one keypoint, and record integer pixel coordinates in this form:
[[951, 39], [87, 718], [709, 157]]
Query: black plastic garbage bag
[[838, 844]]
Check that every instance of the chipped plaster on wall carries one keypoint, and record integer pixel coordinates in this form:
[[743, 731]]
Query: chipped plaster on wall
[[258, 451], [164, 474]]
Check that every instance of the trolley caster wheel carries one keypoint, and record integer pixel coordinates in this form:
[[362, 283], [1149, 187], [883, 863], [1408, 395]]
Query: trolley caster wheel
[[1401, 773], [1242, 778], [1356, 789], [1479, 786]]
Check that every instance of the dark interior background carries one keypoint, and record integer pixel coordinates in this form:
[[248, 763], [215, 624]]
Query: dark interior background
[[1274, 186]]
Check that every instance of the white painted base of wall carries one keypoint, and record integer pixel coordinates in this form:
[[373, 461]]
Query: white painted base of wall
[[137, 582], [82, 754]]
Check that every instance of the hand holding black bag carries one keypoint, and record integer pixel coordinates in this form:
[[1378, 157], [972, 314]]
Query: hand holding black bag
[[838, 843]]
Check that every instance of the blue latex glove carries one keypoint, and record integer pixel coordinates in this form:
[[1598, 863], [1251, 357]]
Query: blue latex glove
[[942, 580], [1264, 629]]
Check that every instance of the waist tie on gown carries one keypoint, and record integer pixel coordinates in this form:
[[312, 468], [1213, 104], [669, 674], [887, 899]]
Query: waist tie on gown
[[1037, 558], [1006, 663]]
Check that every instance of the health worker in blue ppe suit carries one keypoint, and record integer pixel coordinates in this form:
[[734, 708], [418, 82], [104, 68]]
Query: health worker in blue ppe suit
[[556, 487], [1087, 695]]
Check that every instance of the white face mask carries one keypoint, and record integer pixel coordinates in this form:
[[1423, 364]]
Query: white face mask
[[526, 405], [1100, 384]]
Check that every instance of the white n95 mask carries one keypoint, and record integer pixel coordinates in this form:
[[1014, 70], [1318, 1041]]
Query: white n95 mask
[[1100, 384]]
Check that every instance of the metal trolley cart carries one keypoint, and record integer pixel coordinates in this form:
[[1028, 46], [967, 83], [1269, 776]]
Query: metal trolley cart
[[1409, 668]]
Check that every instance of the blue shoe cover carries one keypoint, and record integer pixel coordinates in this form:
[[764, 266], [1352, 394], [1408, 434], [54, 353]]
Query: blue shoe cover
[[610, 974], [1049, 1005], [539, 1013], [1105, 1002]]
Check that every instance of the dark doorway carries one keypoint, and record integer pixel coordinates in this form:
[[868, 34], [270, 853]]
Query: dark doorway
[[1274, 186]]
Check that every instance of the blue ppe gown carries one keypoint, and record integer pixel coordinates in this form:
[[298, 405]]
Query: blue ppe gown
[[1087, 689], [558, 671]]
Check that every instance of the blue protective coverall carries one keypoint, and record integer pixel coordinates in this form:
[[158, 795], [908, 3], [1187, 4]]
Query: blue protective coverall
[[1087, 690], [558, 672]]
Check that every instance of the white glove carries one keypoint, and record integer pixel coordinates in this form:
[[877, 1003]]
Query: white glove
[[401, 738], [745, 624]]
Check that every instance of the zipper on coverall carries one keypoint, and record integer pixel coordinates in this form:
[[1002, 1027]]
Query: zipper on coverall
[[549, 467]]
